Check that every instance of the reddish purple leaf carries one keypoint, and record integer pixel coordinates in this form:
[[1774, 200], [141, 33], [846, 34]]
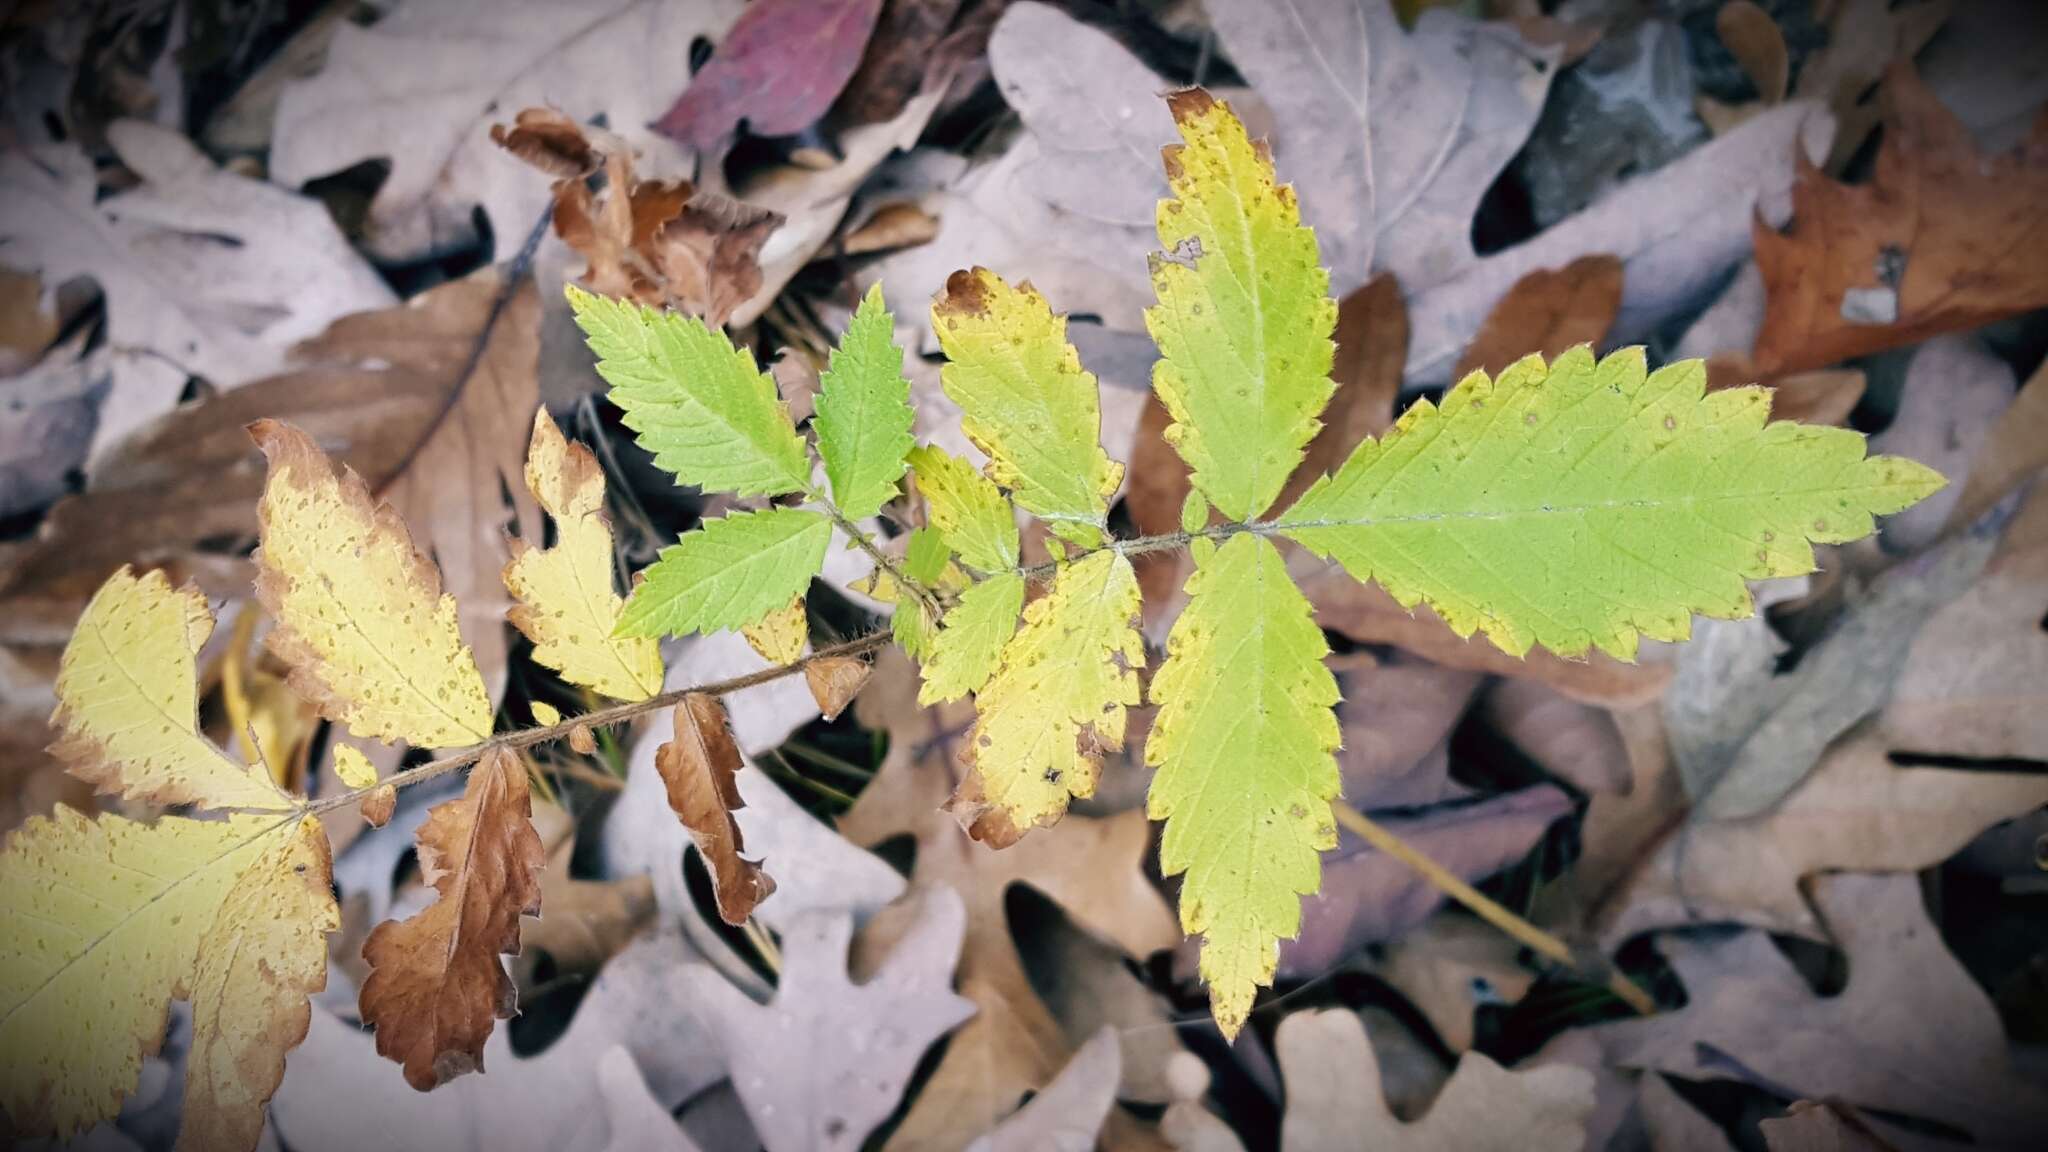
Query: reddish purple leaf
[[779, 69]]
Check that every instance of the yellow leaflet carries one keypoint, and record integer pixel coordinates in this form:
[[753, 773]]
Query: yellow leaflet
[[566, 603], [101, 923], [362, 622], [779, 636], [264, 955], [355, 769], [1244, 745], [1025, 401], [968, 508], [970, 645], [128, 701], [1585, 505], [1057, 701], [1244, 316], [545, 714]]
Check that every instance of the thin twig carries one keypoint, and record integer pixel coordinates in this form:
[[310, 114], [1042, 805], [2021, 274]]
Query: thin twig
[[882, 560], [1488, 909], [528, 737]]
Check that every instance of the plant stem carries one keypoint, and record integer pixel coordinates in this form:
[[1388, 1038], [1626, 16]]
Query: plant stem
[[1489, 910], [528, 737], [881, 559]]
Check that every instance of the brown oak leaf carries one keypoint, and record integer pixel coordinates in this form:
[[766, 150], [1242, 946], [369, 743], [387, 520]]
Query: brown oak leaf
[[1546, 312], [699, 766], [1943, 238], [437, 981]]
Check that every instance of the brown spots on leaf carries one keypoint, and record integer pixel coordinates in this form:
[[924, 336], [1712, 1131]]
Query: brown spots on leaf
[[700, 767], [1190, 104], [988, 823], [967, 293]]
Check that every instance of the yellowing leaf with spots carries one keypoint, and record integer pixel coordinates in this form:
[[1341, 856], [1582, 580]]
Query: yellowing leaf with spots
[[968, 508], [1244, 744], [1244, 316], [702, 407], [566, 603], [355, 770], [103, 922], [128, 701], [779, 636], [361, 620], [1584, 505], [263, 957], [970, 643], [1026, 401], [1056, 703]]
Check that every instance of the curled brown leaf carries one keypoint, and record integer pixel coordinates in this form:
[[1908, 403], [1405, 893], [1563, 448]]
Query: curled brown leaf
[[699, 766]]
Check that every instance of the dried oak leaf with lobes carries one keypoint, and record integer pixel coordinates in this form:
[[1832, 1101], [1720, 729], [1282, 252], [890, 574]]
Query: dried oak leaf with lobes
[[437, 985], [660, 242], [1943, 238], [699, 767]]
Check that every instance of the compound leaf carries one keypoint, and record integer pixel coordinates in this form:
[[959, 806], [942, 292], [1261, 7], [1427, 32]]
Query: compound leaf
[[1244, 317], [729, 573], [1244, 745], [1026, 401], [702, 407], [1587, 504], [361, 621], [864, 415], [102, 924], [565, 602], [437, 985], [970, 645], [128, 701], [968, 508], [1056, 703]]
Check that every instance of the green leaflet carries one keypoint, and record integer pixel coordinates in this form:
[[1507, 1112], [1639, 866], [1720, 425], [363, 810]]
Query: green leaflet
[[1244, 745], [1244, 316], [1586, 505], [968, 648], [1056, 703], [913, 628], [924, 558], [864, 414], [703, 408], [968, 508], [729, 573], [1025, 401]]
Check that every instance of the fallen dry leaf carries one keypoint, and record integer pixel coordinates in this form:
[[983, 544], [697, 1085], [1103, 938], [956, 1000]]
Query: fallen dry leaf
[[636, 1121], [826, 1060], [660, 242], [1940, 240], [437, 986], [1334, 1103], [1389, 136], [1066, 1116], [421, 87], [1368, 897], [337, 1096], [699, 766], [1753, 38], [1451, 966], [205, 272], [1954, 393], [1397, 715], [1925, 1039], [1546, 312], [1864, 38], [2017, 448], [1815, 1126], [430, 402], [777, 70], [1093, 868], [898, 55], [1569, 739]]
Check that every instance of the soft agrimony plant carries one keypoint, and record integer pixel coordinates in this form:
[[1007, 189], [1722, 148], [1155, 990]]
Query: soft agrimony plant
[[1577, 505]]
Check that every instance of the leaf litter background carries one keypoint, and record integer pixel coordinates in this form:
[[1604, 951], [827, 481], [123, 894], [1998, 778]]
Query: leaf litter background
[[1817, 836]]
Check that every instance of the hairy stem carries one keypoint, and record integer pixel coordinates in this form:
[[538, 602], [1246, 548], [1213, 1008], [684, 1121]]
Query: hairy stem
[[882, 560], [528, 737], [1488, 909]]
